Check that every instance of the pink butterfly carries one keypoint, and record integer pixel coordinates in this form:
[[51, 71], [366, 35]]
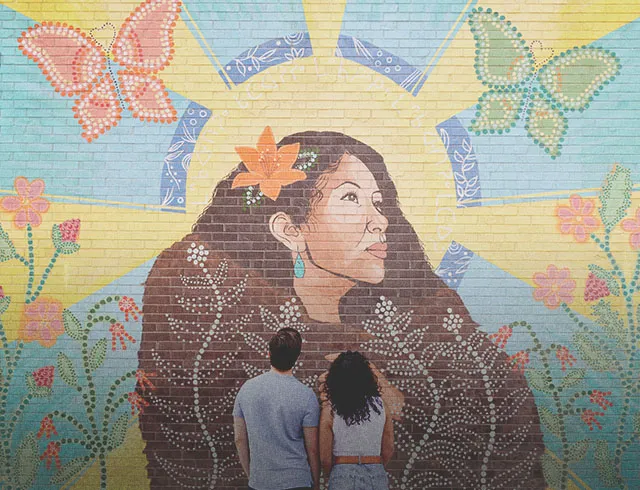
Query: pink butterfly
[[75, 64]]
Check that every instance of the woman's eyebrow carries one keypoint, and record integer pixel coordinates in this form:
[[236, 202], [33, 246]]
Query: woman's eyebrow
[[348, 182]]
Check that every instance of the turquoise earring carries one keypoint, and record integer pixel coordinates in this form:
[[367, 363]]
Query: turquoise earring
[[298, 267]]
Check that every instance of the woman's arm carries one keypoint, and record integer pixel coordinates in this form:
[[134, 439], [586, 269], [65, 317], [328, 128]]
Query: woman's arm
[[387, 437], [326, 438]]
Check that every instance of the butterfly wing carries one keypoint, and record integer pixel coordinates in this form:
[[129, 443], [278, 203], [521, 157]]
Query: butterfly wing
[[498, 111], [98, 110], [147, 97], [546, 124], [576, 76], [503, 59], [145, 40], [69, 58]]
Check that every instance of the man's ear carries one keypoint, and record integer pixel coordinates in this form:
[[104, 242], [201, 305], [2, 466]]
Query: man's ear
[[283, 229]]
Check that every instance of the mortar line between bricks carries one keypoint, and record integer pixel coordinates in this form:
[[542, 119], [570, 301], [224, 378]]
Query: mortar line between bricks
[[444, 42], [204, 41]]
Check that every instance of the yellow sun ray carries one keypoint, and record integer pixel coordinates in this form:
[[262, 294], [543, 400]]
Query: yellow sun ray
[[324, 21]]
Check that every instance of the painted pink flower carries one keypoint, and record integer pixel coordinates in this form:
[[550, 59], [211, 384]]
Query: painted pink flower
[[632, 225], [589, 418], [565, 357], [595, 288], [599, 398], [143, 379], [554, 287], [137, 402], [28, 204], [42, 321], [47, 428], [44, 376], [51, 453], [519, 360], [1, 292], [577, 219], [502, 336], [129, 307], [70, 230], [119, 333]]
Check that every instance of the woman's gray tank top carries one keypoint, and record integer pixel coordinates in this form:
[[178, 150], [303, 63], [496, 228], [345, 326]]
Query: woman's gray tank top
[[363, 439]]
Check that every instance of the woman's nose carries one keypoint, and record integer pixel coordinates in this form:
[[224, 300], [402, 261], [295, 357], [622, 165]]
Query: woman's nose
[[377, 222]]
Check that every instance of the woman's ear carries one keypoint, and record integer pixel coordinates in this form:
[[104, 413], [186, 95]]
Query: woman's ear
[[283, 229]]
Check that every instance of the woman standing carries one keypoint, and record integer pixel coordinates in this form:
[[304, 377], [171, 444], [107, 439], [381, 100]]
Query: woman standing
[[356, 428]]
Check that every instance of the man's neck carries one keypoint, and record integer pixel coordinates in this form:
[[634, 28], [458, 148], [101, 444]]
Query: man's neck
[[284, 373]]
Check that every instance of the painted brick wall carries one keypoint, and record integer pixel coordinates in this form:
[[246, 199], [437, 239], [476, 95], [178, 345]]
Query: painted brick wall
[[448, 187]]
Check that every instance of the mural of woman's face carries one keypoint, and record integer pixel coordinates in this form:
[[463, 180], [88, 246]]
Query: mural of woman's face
[[345, 232]]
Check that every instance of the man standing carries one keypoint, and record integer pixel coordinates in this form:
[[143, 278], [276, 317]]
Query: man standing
[[275, 420]]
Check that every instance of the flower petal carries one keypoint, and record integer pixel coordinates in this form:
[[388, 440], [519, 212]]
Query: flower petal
[[540, 293], [541, 279], [20, 219], [250, 157], [11, 203], [628, 224], [588, 206], [576, 202], [267, 142], [33, 217], [56, 327], [47, 339], [590, 222], [566, 296], [286, 177], [634, 240], [30, 331], [580, 233], [22, 186], [40, 205], [566, 228], [271, 188], [287, 156], [552, 301], [564, 212], [36, 189], [247, 179]]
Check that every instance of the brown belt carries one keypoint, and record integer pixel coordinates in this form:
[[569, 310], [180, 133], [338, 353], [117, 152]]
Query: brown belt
[[357, 460]]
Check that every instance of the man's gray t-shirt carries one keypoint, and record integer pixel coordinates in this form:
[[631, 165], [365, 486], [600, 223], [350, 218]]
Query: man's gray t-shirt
[[275, 408]]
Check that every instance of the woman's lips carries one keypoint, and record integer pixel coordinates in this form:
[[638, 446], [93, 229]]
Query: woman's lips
[[378, 250]]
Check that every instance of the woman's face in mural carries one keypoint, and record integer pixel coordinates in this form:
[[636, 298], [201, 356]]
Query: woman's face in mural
[[345, 233]]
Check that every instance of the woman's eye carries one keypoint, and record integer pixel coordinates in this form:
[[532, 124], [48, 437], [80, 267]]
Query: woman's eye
[[350, 196]]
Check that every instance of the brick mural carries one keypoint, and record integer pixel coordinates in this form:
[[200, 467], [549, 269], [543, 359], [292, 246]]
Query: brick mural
[[450, 188]]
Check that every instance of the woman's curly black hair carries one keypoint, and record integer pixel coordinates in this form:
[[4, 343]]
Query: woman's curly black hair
[[351, 387]]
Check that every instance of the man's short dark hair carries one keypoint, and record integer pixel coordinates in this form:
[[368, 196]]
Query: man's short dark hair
[[284, 348]]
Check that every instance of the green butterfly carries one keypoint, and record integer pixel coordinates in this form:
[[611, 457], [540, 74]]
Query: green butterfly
[[518, 88]]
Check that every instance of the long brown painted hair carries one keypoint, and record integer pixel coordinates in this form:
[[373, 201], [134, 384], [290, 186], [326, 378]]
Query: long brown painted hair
[[242, 232], [232, 232]]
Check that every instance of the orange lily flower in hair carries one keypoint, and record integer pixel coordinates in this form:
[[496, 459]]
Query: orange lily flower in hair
[[268, 166]]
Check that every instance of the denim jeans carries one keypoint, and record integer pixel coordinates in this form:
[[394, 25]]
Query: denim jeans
[[358, 477]]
